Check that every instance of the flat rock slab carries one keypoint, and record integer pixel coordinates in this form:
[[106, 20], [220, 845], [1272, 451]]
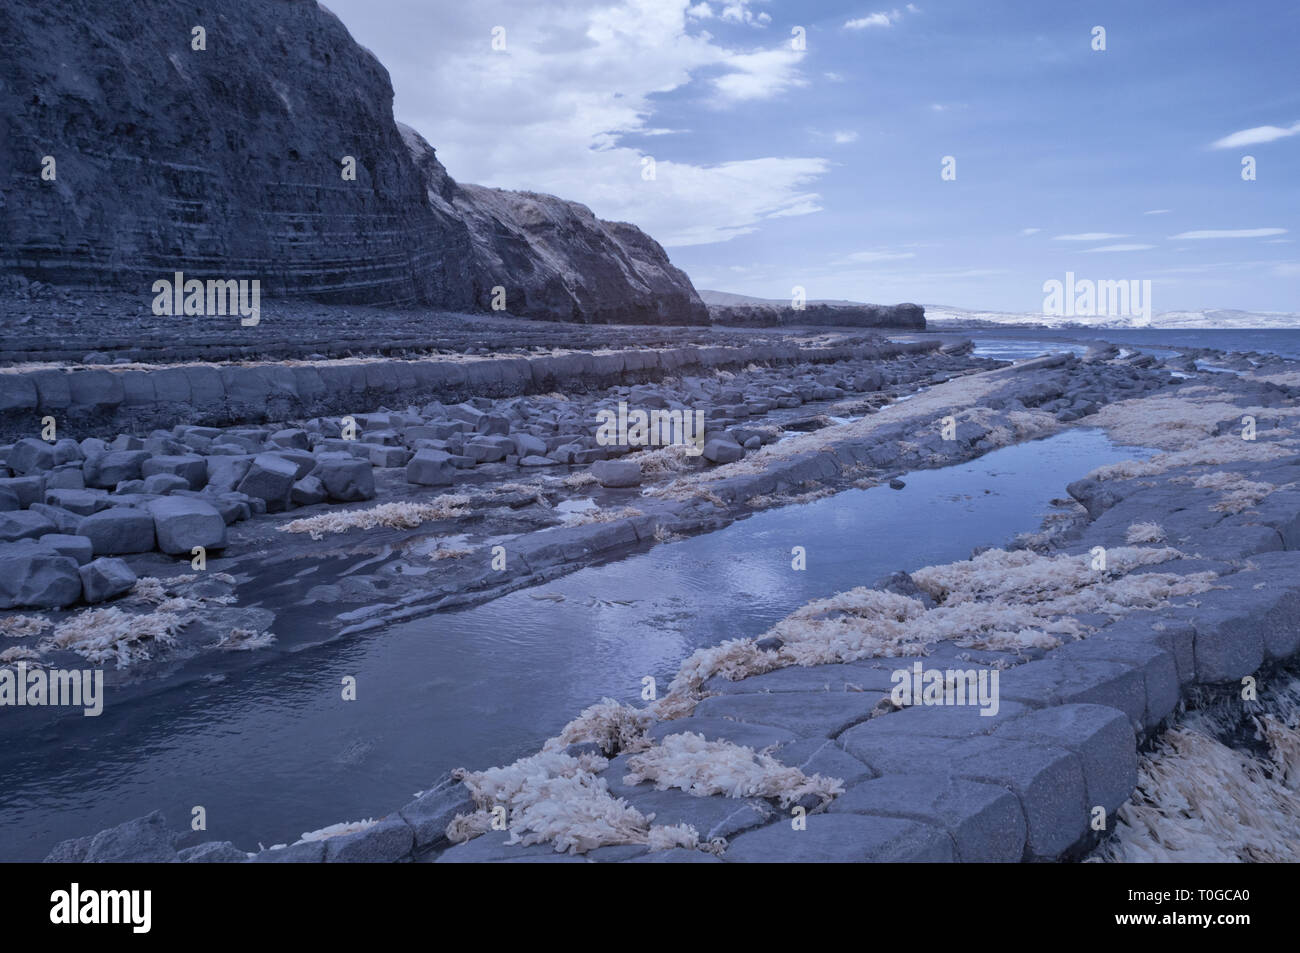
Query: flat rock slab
[[984, 820], [843, 838], [823, 714]]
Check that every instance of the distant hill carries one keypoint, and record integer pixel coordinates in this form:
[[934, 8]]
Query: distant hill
[[737, 310], [1208, 318]]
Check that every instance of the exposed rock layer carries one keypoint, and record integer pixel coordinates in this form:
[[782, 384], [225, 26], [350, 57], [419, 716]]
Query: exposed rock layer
[[227, 162], [910, 316]]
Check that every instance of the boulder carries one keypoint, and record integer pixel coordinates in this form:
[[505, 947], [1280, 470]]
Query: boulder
[[122, 529], [37, 577], [307, 492], [190, 467], [105, 578], [78, 547], [722, 448], [431, 468], [617, 473], [24, 524], [107, 470], [347, 480], [30, 455], [270, 478], [181, 523]]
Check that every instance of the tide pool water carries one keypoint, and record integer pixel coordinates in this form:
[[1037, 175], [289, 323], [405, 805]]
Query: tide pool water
[[274, 751]]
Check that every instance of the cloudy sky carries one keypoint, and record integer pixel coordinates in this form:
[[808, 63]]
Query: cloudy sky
[[776, 166]]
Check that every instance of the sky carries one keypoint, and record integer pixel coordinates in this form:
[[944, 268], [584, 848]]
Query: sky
[[769, 144]]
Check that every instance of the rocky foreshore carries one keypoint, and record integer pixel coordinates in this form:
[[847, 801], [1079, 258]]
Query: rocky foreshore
[[1200, 590]]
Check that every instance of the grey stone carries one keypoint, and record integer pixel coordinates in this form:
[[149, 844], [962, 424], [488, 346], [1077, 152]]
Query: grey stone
[[843, 838], [118, 530], [617, 473], [27, 489], [348, 481], [76, 547], [1048, 780], [181, 523], [270, 478], [389, 840], [823, 714], [307, 492], [164, 483], [1101, 737], [984, 820], [493, 847], [24, 524], [190, 467], [81, 502], [36, 576], [1061, 681], [430, 813], [213, 852], [430, 468], [30, 455], [142, 840], [107, 470], [307, 852], [104, 578], [721, 448]]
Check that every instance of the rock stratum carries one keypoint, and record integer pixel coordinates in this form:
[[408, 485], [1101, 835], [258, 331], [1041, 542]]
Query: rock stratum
[[815, 314], [226, 162]]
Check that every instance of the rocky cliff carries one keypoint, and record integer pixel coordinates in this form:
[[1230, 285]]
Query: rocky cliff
[[905, 316], [228, 161]]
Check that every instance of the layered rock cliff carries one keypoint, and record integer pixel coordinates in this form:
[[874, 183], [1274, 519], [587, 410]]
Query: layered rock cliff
[[227, 162]]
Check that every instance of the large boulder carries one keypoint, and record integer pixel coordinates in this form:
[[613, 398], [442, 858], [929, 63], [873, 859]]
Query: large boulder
[[30, 455], [189, 466], [24, 524], [347, 480], [37, 577], [107, 470], [431, 468], [617, 473], [722, 448], [105, 578], [270, 477], [119, 530], [181, 523]]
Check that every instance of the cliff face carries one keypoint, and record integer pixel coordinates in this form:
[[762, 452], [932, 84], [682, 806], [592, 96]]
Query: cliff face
[[554, 259], [903, 316], [227, 163]]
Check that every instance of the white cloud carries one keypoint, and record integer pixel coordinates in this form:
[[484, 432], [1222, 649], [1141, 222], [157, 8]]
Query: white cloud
[[1158, 211], [873, 20], [1287, 269], [1030, 231], [759, 75], [701, 11], [834, 77], [578, 78], [1087, 237], [866, 257], [844, 136], [1229, 233], [738, 12], [1119, 248], [1258, 135]]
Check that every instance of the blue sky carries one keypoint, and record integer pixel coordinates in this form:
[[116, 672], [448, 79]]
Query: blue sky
[[820, 167]]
